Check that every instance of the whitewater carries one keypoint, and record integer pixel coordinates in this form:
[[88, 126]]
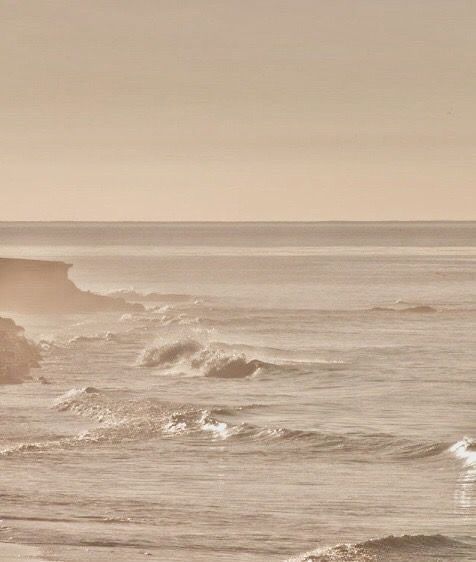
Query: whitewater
[[292, 392]]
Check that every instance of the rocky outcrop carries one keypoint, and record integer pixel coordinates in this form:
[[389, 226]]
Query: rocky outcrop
[[43, 286], [17, 354]]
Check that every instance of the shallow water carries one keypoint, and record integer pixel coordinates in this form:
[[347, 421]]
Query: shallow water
[[291, 389]]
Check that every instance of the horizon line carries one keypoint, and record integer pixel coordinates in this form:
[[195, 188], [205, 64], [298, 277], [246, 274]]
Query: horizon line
[[335, 221]]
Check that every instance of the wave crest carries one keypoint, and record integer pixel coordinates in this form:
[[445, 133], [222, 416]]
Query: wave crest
[[169, 353], [118, 419], [216, 363], [144, 418], [416, 309], [106, 337], [209, 361], [425, 546], [136, 296]]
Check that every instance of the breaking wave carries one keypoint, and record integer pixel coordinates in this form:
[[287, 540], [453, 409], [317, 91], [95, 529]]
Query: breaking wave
[[209, 361], [420, 548], [47, 345], [466, 450], [120, 420], [168, 353], [107, 336], [217, 363], [135, 296]]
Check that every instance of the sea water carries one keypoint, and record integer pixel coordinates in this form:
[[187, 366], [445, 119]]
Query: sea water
[[292, 391]]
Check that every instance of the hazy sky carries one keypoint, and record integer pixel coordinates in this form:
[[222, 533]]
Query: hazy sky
[[237, 110]]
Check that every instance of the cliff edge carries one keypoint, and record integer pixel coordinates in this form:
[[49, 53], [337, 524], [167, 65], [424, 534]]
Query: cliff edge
[[32, 286]]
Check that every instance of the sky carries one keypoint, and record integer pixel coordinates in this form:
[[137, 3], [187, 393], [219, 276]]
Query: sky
[[237, 110]]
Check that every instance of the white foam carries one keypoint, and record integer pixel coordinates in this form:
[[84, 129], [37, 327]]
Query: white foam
[[465, 450]]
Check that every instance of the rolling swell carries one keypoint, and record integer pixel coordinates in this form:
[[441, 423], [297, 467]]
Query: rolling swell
[[121, 420], [417, 309], [358, 446], [406, 548]]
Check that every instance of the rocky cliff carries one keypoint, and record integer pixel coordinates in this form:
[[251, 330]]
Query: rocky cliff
[[43, 286], [17, 354]]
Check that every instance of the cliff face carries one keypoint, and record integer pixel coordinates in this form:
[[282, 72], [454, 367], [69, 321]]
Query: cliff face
[[17, 354], [43, 286]]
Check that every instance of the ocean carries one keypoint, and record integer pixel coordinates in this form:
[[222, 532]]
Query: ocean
[[292, 392]]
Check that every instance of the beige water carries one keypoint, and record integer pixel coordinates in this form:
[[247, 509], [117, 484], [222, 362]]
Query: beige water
[[291, 388]]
